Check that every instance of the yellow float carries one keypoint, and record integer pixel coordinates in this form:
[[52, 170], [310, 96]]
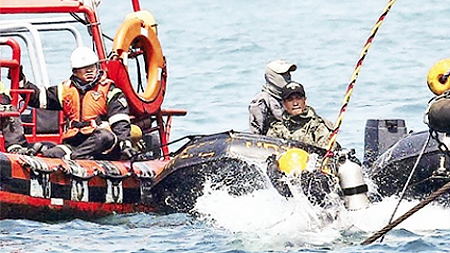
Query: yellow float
[[435, 80], [293, 161]]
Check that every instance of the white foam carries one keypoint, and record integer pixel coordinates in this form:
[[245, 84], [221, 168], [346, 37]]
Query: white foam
[[266, 220]]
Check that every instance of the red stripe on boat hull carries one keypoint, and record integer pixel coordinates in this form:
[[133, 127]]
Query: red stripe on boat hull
[[14, 205]]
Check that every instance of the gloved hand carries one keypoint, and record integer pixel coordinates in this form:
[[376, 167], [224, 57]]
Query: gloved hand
[[17, 149], [128, 152], [21, 74]]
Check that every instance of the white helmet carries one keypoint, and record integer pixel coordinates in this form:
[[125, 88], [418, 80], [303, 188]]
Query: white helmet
[[82, 57]]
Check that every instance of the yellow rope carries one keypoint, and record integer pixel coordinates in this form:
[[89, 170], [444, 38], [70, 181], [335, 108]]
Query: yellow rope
[[349, 92]]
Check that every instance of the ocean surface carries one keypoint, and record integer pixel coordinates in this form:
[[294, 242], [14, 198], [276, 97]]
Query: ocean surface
[[216, 52]]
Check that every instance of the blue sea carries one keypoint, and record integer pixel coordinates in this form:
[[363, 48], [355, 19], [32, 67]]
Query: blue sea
[[216, 52]]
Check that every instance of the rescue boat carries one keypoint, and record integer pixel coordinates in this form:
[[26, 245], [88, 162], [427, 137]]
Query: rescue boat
[[39, 188]]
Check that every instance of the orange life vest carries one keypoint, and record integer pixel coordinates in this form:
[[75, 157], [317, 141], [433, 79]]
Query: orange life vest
[[82, 113]]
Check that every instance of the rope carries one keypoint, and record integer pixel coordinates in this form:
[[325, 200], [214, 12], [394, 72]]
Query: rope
[[140, 87], [409, 180], [353, 80], [416, 208], [87, 24]]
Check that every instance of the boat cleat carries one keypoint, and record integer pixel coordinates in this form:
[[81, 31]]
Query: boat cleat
[[441, 171]]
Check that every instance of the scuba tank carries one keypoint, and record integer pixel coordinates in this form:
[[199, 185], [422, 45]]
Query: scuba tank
[[352, 182]]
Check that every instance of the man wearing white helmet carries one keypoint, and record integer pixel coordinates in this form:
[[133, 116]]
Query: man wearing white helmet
[[96, 111], [266, 107]]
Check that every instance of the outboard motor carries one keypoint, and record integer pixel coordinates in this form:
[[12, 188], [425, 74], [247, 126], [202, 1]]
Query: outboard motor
[[352, 182], [380, 135]]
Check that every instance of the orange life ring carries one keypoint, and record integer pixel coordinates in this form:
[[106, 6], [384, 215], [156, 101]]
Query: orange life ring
[[139, 31]]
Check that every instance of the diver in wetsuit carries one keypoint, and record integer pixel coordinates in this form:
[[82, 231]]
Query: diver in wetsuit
[[12, 128]]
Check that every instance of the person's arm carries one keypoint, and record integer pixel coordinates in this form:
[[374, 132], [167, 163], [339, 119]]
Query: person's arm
[[277, 129], [118, 114], [257, 113], [41, 97], [323, 134], [119, 120], [262, 112], [46, 98]]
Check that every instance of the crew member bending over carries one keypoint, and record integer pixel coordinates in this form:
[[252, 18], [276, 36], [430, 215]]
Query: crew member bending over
[[96, 111], [11, 127]]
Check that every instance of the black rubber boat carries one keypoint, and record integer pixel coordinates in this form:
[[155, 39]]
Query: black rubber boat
[[391, 155], [239, 163]]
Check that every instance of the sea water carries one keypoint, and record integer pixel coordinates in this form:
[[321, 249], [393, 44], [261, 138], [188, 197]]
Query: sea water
[[216, 52]]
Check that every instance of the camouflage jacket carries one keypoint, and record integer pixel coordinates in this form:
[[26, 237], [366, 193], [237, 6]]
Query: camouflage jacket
[[307, 127]]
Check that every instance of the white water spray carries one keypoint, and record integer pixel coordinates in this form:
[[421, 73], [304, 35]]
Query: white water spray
[[266, 220]]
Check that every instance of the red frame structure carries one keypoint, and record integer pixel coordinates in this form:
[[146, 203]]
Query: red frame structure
[[56, 6]]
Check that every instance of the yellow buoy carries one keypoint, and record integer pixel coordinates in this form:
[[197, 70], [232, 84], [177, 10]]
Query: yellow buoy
[[294, 161], [434, 77]]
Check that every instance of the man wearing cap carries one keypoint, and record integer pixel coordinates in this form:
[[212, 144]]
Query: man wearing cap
[[96, 111], [300, 121], [266, 106]]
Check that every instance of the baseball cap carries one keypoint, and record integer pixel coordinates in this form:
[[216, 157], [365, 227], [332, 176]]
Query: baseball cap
[[292, 87], [281, 66]]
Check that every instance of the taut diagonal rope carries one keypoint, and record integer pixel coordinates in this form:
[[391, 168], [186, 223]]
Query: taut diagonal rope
[[349, 92]]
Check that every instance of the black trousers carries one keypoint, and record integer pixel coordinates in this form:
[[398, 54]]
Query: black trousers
[[90, 146]]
